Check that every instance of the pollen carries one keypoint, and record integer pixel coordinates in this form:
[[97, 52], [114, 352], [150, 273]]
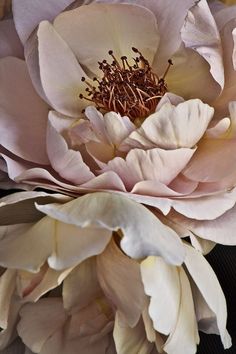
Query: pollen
[[131, 89]]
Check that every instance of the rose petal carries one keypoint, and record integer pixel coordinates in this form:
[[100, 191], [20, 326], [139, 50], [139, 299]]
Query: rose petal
[[139, 226], [207, 283], [67, 162], [10, 44], [33, 328], [201, 34], [172, 126], [154, 165], [114, 27], [161, 283], [60, 72], [23, 117], [124, 289], [81, 286], [185, 336], [131, 340], [37, 11]]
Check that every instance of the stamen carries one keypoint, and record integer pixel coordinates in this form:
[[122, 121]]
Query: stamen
[[129, 89]]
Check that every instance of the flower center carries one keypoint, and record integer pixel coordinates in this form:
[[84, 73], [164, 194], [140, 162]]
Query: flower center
[[131, 90]]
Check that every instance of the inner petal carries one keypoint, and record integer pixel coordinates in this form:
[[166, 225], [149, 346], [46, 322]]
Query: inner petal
[[93, 30]]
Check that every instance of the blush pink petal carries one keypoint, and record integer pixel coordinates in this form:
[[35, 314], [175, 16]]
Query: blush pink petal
[[220, 230], [23, 115], [200, 33], [155, 164], [36, 11], [10, 44], [172, 126], [67, 162], [60, 72], [117, 27], [205, 208]]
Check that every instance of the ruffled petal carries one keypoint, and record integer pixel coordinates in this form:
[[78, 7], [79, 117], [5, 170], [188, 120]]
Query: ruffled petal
[[154, 165], [139, 226], [207, 283], [201, 34], [67, 162], [172, 127]]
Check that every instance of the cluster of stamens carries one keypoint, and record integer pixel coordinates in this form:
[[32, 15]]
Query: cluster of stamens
[[131, 90]]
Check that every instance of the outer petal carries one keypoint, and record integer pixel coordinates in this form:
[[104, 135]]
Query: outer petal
[[108, 27], [139, 226], [120, 279], [23, 117], [36, 11], [19, 207], [60, 72], [81, 286], [154, 165], [185, 336], [172, 126], [162, 284], [201, 34], [35, 241], [67, 162], [10, 44], [131, 340], [33, 328], [207, 283]]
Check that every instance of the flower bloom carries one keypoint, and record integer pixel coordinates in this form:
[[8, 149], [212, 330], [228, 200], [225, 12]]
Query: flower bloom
[[111, 275], [108, 101]]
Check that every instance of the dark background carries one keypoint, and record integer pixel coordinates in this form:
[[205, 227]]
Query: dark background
[[223, 261]]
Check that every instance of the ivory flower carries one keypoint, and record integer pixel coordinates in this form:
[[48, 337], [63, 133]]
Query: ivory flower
[[97, 295]]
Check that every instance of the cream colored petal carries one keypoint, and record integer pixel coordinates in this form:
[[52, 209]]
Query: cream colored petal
[[33, 240], [139, 226], [184, 338], [91, 31], [207, 282], [173, 127], [120, 279], [162, 284], [23, 115], [131, 340], [117, 127], [60, 72], [50, 280], [73, 244], [81, 286], [39, 321], [190, 75], [200, 33], [7, 288], [152, 165], [37, 11]]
